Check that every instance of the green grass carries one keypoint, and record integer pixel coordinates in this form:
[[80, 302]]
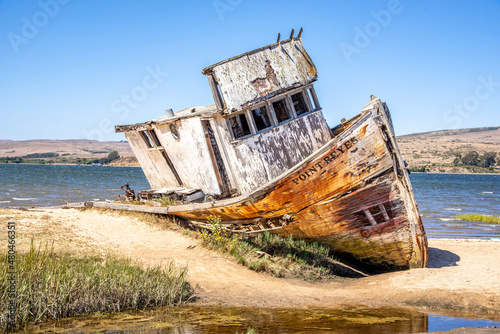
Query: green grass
[[479, 218], [166, 201], [249, 331], [281, 256], [53, 286]]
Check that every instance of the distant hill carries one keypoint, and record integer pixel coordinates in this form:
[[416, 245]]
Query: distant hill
[[67, 151], [437, 150], [434, 150]]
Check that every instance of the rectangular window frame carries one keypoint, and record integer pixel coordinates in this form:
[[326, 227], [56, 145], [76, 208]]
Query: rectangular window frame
[[307, 108], [251, 126], [151, 139], [312, 98], [269, 117], [309, 98], [288, 110]]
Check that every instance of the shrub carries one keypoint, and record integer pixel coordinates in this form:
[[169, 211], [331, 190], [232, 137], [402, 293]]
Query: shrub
[[277, 255], [56, 286]]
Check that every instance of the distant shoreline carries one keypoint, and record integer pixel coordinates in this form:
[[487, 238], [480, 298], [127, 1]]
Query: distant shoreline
[[60, 164], [67, 164]]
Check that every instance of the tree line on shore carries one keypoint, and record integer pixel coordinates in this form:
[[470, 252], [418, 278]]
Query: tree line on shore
[[40, 158], [472, 158]]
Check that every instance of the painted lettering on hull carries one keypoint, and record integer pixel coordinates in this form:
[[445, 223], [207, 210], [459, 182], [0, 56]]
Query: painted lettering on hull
[[319, 166]]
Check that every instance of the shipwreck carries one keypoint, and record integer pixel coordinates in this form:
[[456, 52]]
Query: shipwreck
[[263, 158]]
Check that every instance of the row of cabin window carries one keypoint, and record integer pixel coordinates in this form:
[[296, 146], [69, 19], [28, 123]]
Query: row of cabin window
[[302, 102]]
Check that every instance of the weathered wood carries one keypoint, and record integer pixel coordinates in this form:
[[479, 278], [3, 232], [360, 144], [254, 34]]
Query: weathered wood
[[215, 92], [370, 217], [322, 196], [236, 85], [346, 187]]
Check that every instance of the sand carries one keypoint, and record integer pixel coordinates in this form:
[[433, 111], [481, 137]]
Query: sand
[[463, 276]]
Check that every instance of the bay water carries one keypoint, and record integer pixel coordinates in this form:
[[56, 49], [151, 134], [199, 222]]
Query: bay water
[[440, 197]]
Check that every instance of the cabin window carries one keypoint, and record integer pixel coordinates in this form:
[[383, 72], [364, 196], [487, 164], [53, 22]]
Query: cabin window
[[173, 131], [154, 137], [299, 104], [150, 138], [145, 137], [261, 118], [239, 126], [312, 97], [281, 111]]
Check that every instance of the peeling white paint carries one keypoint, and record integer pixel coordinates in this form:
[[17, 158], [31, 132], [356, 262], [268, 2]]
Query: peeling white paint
[[277, 68]]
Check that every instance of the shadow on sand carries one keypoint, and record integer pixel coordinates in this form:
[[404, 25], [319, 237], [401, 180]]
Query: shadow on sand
[[439, 258]]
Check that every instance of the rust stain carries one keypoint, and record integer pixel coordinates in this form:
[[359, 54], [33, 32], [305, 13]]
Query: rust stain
[[349, 193], [266, 85], [331, 212]]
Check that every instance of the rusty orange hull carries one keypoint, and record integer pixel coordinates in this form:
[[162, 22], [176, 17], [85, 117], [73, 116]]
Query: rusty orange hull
[[353, 195]]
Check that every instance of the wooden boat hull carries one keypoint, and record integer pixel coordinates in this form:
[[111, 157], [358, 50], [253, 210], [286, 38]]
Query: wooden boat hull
[[353, 195]]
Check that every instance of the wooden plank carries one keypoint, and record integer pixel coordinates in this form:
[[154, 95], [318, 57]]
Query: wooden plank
[[368, 215], [194, 196], [128, 207], [384, 212], [215, 91]]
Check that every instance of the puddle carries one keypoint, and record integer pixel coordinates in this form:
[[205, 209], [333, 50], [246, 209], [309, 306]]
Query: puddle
[[229, 320], [444, 323]]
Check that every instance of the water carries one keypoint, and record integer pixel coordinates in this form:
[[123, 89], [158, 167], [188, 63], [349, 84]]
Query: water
[[440, 196], [46, 185], [197, 320]]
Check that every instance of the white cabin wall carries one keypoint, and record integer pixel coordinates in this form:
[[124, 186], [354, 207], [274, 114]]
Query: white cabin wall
[[190, 154], [263, 157], [247, 79], [152, 162]]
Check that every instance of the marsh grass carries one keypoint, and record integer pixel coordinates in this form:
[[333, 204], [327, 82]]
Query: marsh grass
[[248, 331], [479, 218], [277, 255], [53, 286], [166, 201]]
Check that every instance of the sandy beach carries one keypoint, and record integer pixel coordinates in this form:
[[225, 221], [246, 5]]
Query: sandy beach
[[463, 276]]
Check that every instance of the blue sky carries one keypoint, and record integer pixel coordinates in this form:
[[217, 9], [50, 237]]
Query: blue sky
[[72, 69]]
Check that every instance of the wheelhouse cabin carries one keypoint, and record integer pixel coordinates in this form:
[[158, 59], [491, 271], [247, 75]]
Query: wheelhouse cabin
[[266, 119]]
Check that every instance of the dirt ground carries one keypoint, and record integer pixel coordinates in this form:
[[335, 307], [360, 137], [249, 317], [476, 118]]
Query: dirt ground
[[463, 276]]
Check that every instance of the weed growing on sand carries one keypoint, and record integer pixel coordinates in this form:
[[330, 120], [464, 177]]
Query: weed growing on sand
[[479, 218], [166, 201], [274, 254], [53, 286], [249, 331], [217, 237]]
